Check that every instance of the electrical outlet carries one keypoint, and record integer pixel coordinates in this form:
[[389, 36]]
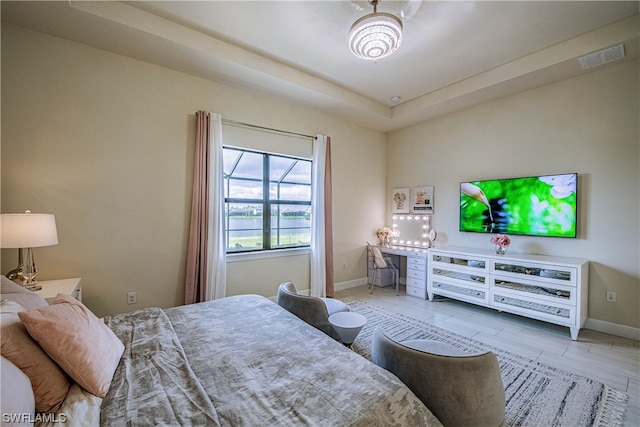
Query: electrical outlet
[[611, 296], [131, 298]]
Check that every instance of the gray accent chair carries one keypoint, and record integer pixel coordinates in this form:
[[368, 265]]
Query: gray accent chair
[[313, 310], [460, 389]]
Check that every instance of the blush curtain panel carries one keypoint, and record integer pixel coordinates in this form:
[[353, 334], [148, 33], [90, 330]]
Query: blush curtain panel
[[206, 274], [322, 224]]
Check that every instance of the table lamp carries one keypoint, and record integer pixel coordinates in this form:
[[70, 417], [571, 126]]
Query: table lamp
[[27, 231]]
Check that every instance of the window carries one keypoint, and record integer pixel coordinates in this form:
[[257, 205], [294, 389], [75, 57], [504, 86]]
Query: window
[[257, 183]]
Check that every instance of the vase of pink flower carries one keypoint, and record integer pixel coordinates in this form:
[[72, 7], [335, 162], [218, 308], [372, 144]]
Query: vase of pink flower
[[384, 234], [501, 242]]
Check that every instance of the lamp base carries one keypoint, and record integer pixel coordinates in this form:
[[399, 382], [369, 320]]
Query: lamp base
[[33, 286], [16, 277]]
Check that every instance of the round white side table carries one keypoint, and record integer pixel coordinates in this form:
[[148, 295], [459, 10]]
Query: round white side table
[[348, 325]]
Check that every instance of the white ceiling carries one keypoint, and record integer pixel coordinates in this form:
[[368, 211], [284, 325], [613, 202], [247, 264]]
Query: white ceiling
[[454, 54]]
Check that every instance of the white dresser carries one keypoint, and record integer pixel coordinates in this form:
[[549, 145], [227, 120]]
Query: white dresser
[[548, 288], [416, 269]]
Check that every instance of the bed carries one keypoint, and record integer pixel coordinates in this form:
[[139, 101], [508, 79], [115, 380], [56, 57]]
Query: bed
[[237, 361]]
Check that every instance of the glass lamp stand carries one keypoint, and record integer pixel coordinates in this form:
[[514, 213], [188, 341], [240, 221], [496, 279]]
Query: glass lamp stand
[[29, 272]]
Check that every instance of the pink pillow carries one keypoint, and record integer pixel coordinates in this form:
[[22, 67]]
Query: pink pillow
[[77, 340], [49, 383]]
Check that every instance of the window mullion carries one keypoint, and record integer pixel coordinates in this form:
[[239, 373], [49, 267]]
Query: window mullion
[[266, 205]]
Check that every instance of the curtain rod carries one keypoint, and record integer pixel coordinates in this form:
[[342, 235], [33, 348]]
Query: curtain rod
[[233, 122]]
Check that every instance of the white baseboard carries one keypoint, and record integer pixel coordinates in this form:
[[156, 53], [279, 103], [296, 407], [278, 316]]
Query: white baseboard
[[613, 329], [339, 286], [349, 284]]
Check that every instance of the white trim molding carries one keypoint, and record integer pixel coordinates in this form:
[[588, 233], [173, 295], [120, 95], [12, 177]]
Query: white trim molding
[[613, 329]]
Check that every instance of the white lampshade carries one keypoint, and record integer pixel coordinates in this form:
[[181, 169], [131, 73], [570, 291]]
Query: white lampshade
[[28, 230]]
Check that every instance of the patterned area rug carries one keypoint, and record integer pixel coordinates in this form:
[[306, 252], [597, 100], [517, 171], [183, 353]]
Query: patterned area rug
[[536, 394]]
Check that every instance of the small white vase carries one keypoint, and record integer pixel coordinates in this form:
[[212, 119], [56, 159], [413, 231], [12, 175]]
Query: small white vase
[[501, 250]]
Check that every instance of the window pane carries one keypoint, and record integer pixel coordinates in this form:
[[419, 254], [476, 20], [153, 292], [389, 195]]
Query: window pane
[[290, 226], [301, 173], [244, 227], [290, 179], [284, 169], [229, 158], [279, 166], [290, 192], [243, 174], [249, 166], [244, 189]]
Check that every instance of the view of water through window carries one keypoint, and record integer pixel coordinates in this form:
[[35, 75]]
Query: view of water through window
[[288, 199]]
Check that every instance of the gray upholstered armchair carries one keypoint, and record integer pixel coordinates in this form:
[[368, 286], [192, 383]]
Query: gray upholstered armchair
[[313, 310], [460, 389]]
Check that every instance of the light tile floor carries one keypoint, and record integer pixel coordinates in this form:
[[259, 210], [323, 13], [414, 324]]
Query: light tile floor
[[612, 360]]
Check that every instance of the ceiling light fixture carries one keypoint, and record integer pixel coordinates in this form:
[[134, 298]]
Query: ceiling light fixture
[[375, 35]]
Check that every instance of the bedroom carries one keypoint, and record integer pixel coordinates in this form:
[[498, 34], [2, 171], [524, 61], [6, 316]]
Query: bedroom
[[104, 141], [121, 191]]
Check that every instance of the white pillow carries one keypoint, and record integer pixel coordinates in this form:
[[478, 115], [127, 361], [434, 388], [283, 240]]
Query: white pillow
[[378, 258], [17, 395]]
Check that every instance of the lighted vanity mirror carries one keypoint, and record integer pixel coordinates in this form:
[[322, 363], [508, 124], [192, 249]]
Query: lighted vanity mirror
[[411, 230]]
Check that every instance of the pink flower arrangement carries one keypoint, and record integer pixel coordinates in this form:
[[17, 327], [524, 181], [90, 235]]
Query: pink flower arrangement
[[384, 232], [501, 240]]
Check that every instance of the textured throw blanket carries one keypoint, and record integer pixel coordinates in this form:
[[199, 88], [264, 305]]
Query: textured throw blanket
[[153, 384], [244, 361]]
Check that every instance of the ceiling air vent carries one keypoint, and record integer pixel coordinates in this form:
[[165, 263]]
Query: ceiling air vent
[[602, 57]]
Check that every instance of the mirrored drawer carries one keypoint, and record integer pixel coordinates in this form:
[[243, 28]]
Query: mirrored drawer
[[535, 289], [536, 308], [461, 261], [460, 292], [463, 276], [546, 273]]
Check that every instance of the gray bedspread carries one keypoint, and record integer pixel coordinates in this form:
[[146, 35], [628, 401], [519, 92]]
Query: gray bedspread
[[244, 361]]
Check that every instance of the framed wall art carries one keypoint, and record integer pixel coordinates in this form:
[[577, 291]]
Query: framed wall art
[[422, 201], [400, 200]]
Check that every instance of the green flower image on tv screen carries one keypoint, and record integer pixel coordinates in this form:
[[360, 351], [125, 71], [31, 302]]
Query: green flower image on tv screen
[[535, 206]]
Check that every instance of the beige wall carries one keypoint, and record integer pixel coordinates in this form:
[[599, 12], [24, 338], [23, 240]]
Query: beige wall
[[588, 125], [105, 143]]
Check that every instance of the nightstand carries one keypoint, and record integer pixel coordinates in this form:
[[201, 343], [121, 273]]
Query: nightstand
[[51, 288]]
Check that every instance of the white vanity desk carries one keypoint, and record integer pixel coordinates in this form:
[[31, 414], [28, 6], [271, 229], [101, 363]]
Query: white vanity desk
[[416, 269]]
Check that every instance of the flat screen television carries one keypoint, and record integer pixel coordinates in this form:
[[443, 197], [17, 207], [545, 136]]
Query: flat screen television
[[533, 206]]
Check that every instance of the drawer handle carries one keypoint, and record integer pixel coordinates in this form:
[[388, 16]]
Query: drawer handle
[[501, 299], [558, 311]]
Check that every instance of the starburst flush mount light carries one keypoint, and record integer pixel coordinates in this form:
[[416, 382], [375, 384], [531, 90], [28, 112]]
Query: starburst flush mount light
[[375, 35]]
